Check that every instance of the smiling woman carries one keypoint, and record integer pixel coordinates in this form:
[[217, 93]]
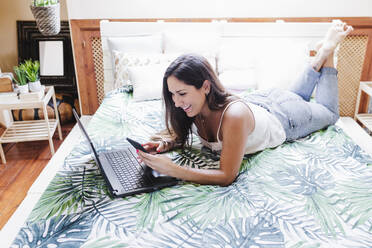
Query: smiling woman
[[196, 102], [202, 86]]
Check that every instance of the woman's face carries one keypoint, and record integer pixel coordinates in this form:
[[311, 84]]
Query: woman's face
[[187, 97]]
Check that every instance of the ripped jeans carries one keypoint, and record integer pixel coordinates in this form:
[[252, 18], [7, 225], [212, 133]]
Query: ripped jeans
[[298, 116]]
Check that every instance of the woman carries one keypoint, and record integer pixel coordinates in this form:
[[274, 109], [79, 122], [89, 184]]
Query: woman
[[196, 101]]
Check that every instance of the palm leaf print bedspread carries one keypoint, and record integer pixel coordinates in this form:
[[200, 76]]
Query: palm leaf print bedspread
[[315, 192]]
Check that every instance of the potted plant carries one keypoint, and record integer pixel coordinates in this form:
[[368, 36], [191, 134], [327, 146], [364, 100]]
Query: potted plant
[[32, 74], [20, 78], [47, 16]]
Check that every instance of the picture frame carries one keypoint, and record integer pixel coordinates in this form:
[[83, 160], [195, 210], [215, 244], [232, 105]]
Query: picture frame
[[29, 40]]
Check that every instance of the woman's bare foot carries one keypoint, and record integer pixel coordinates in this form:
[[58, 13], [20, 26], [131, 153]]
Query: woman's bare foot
[[335, 35]]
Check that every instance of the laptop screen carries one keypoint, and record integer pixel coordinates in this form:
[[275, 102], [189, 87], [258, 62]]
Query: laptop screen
[[85, 134]]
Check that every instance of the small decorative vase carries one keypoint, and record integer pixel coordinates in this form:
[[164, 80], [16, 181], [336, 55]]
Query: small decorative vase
[[23, 88], [34, 86]]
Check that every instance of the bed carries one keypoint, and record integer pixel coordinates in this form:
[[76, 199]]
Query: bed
[[295, 195], [314, 192]]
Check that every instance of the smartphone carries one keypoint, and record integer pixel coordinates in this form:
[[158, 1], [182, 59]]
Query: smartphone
[[136, 145]]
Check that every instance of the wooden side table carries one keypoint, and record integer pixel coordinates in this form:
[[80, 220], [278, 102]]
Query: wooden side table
[[364, 118], [20, 131]]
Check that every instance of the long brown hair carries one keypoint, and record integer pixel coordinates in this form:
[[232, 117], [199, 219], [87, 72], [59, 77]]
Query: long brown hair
[[193, 70]]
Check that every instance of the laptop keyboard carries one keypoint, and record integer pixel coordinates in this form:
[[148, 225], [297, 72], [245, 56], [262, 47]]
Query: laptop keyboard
[[128, 170]]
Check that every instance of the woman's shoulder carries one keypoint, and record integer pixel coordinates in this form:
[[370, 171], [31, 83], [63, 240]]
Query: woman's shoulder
[[238, 118], [237, 110], [236, 106]]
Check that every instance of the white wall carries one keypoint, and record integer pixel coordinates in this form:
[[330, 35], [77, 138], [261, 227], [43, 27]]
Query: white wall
[[115, 9]]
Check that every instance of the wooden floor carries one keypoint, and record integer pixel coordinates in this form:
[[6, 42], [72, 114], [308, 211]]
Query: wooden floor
[[25, 161]]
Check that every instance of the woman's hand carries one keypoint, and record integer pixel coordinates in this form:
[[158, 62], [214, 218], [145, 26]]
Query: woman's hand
[[156, 146], [160, 163]]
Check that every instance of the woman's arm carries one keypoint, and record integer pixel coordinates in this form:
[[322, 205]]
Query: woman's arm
[[237, 124], [164, 165]]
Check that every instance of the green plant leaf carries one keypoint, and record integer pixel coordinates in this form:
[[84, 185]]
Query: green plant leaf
[[70, 191], [20, 78], [31, 69], [44, 3]]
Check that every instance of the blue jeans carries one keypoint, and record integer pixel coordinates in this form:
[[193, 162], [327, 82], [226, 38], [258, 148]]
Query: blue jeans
[[298, 116]]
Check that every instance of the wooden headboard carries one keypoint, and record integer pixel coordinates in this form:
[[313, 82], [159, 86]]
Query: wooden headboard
[[354, 58]]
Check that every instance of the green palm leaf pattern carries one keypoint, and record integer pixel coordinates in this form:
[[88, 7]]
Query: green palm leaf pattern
[[195, 158], [308, 182], [150, 208], [212, 204], [70, 192], [313, 192], [124, 118], [116, 217]]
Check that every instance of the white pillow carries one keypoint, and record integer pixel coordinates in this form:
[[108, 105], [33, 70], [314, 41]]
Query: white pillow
[[237, 53], [281, 63], [203, 43], [211, 59], [137, 44], [123, 60], [236, 64], [239, 79], [191, 42], [147, 81]]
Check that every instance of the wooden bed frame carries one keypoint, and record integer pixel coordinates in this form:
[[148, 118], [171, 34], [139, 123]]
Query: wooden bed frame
[[354, 59]]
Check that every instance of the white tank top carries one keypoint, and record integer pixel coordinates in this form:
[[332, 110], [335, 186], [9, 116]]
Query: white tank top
[[268, 132]]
